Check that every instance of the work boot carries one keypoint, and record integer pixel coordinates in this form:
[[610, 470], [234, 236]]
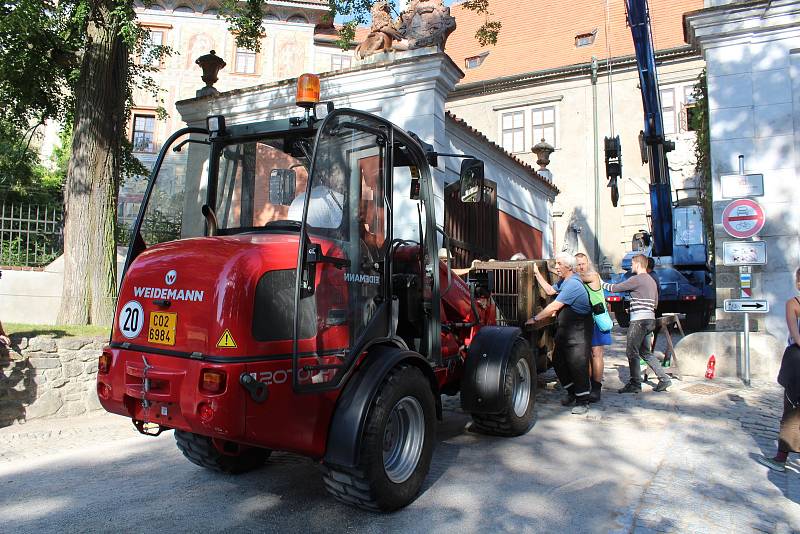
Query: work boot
[[580, 408], [663, 385], [594, 396], [630, 388], [773, 464]]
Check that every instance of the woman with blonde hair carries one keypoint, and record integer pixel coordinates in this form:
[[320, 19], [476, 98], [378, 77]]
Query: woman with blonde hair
[[600, 339], [789, 378]]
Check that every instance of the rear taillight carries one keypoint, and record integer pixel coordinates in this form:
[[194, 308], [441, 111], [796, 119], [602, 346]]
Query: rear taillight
[[212, 381], [614, 299], [689, 297], [104, 391], [104, 363], [205, 411]]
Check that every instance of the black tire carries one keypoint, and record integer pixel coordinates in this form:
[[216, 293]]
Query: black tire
[[200, 450], [622, 316], [511, 421], [369, 486]]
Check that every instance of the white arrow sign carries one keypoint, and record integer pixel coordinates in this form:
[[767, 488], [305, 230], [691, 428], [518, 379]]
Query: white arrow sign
[[746, 306]]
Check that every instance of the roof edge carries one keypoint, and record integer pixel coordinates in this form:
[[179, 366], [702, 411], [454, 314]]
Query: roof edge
[[461, 123], [495, 84]]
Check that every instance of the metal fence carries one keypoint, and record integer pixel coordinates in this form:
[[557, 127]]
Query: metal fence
[[30, 234]]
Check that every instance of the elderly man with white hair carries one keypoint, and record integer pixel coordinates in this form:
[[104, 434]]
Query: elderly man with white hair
[[573, 342]]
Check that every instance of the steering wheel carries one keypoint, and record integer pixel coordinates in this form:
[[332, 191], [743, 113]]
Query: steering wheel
[[285, 224]]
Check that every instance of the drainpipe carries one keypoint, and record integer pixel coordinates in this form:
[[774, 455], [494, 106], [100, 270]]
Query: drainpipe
[[596, 243]]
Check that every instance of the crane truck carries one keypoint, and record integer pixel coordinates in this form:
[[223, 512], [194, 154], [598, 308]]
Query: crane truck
[[677, 240]]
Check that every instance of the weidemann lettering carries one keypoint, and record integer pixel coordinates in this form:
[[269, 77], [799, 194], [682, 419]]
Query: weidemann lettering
[[362, 278], [191, 295]]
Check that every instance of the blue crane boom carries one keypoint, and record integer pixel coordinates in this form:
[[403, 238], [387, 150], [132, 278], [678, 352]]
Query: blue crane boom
[[654, 145]]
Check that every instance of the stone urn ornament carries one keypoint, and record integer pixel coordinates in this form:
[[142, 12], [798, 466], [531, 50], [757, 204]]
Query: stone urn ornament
[[211, 64]]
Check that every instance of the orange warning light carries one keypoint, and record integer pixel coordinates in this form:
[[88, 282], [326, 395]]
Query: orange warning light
[[307, 90]]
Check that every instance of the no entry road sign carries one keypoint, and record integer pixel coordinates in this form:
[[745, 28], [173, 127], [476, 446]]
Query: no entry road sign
[[746, 306], [743, 218]]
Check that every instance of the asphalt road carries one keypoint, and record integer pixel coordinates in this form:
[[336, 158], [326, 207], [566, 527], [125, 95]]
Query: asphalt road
[[545, 481]]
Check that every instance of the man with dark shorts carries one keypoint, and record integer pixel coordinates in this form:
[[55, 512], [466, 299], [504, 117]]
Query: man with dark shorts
[[573, 334]]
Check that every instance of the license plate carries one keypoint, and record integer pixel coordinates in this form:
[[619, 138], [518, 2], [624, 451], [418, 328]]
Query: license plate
[[162, 328]]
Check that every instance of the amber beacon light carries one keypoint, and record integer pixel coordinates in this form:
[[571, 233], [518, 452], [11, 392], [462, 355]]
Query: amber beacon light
[[307, 90]]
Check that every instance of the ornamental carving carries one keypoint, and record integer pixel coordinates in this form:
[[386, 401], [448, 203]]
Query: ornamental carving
[[424, 23]]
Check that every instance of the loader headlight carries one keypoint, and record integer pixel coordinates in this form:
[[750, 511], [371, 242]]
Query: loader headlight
[[216, 125]]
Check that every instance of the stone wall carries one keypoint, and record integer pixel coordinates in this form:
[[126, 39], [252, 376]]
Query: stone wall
[[48, 376]]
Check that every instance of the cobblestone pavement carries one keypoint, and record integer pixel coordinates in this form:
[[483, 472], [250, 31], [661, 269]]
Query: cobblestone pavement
[[653, 462]]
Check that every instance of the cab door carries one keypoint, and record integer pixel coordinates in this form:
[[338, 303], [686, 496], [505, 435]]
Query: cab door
[[344, 238]]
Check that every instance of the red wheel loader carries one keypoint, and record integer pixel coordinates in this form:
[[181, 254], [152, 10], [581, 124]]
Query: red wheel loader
[[283, 291]]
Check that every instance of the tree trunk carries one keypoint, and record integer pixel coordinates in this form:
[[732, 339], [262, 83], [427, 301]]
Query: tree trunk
[[90, 196]]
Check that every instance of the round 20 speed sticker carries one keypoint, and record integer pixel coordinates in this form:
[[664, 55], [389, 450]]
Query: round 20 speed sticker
[[131, 319]]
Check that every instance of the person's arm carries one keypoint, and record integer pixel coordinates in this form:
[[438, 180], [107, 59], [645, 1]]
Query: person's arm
[[548, 310], [792, 309], [548, 289], [4, 339], [628, 285]]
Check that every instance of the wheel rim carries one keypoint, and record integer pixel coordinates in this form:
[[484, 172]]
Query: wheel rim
[[521, 395], [403, 438]]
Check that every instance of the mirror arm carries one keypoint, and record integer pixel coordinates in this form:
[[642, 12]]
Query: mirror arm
[[465, 156]]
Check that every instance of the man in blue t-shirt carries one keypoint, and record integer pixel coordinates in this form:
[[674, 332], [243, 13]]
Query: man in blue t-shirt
[[573, 334]]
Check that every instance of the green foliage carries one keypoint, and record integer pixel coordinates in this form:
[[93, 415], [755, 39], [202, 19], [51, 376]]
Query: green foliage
[[22, 177], [37, 251], [699, 123], [38, 53], [66, 330], [245, 21], [487, 34]]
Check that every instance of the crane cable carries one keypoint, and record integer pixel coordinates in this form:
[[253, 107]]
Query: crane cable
[[608, 65]]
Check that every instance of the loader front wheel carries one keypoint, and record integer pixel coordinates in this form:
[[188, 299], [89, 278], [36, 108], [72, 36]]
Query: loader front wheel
[[519, 395]]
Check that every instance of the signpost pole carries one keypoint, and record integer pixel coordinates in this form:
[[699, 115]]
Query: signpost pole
[[746, 363], [746, 351]]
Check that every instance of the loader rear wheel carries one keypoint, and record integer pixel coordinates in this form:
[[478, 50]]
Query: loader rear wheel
[[519, 394], [396, 447], [223, 456]]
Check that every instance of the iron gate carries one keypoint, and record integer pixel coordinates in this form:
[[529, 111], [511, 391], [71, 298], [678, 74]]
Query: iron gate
[[471, 227]]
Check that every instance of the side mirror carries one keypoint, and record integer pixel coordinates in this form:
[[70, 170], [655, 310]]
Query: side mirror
[[471, 180], [282, 184]]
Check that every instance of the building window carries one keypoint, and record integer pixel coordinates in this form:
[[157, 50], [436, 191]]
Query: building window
[[689, 109], [543, 124], [474, 62], [668, 108], [245, 61], [150, 50], [513, 126], [340, 61], [585, 39], [144, 127]]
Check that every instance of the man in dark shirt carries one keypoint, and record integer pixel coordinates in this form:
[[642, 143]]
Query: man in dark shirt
[[573, 341]]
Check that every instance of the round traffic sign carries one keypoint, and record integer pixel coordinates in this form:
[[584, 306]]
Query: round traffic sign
[[743, 218]]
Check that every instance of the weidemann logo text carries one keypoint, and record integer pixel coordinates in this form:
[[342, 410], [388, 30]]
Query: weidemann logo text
[[192, 295]]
